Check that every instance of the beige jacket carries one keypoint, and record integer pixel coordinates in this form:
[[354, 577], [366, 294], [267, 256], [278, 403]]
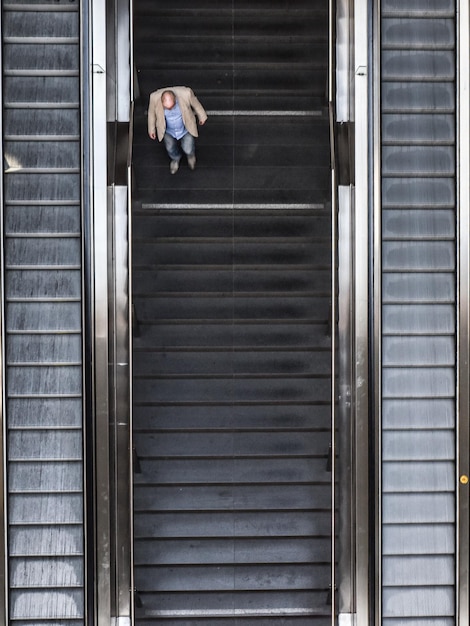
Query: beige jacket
[[188, 103]]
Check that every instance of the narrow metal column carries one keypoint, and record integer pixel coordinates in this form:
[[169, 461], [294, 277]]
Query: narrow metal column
[[419, 311], [463, 347], [100, 311], [361, 305]]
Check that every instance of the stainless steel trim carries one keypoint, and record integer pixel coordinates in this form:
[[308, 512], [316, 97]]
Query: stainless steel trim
[[343, 60], [334, 236], [122, 46], [375, 83], [361, 309], [4, 618], [130, 348], [463, 315], [334, 394], [98, 29], [265, 113], [344, 417], [87, 323], [234, 206], [119, 387]]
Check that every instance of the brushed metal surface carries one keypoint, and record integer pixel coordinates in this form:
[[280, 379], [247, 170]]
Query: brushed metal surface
[[43, 313], [419, 314]]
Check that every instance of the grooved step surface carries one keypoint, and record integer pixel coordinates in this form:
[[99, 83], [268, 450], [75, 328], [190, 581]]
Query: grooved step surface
[[231, 294], [418, 312], [43, 312]]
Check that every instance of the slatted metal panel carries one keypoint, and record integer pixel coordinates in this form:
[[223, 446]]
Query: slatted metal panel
[[419, 311], [43, 312], [231, 276], [278, 51]]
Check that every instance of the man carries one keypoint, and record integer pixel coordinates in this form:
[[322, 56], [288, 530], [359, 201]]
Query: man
[[172, 113]]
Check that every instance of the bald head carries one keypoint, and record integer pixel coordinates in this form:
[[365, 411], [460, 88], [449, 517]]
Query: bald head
[[168, 99]]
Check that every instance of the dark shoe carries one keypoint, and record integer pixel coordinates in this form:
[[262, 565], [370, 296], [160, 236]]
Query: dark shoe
[[192, 162], [174, 166]]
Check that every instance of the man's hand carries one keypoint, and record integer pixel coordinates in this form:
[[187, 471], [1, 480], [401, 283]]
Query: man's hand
[[153, 135], [202, 122]]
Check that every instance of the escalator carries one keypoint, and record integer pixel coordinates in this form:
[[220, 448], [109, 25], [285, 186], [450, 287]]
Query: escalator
[[418, 441], [43, 313], [231, 295]]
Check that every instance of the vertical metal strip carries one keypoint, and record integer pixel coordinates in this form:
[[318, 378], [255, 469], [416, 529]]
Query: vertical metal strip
[[87, 313], [120, 329], [334, 238], [3, 433], [344, 421], [463, 282], [131, 373], [361, 311], [100, 299], [376, 263], [334, 394]]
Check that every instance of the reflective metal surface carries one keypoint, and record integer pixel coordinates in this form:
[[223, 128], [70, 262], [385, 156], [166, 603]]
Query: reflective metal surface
[[130, 348], [376, 296], [344, 54], [417, 254], [344, 417], [3, 484], [100, 292], [120, 401], [333, 314], [463, 434], [361, 309]]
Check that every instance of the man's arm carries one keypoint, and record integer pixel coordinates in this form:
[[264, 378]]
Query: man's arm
[[151, 116], [197, 107]]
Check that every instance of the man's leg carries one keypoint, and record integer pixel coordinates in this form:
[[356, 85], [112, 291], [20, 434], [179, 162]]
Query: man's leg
[[188, 144], [174, 152]]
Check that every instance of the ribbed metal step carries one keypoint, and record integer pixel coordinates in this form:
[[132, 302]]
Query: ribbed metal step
[[419, 313], [273, 52], [43, 312], [232, 418], [231, 292]]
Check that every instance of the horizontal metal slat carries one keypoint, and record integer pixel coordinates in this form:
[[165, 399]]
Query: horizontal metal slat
[[46, 572], [431, 350], [414, 539], [418, 476], [419, 288], [46, 541], [198, 445], [44, 381], [223, 363], [47, 349], [419, 508], [242, 551], [53, 509], [232, 524], [220, 498], [417, 32], [411, 96], [243, 471], [225, 578], [418, 382], [417, 445], [419, 319], [42, 605], [271, 417], [419, 601], [43, 412], [50, 445]]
